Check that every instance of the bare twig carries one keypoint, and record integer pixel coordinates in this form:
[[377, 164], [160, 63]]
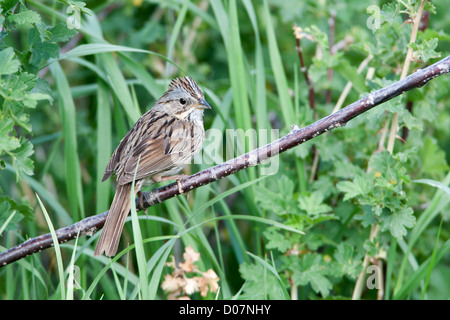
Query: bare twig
[[332, 26], [405, 70], [298, 36], [294, 138]]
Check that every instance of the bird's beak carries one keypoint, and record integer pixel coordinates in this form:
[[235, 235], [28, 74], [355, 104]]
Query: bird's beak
[[203, 104]]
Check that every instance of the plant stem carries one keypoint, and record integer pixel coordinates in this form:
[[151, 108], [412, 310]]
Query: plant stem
[[405, 70], [392, 136]]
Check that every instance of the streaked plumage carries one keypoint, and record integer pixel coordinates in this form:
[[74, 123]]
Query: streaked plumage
[[164, 140]]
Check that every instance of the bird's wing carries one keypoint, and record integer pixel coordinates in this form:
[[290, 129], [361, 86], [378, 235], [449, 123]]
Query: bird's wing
[[159, 143]]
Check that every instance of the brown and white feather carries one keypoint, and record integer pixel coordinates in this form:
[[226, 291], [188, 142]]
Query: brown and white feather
[[163, 140]]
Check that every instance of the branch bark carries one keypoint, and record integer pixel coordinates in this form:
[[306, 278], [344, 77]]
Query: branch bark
[[296, 137]]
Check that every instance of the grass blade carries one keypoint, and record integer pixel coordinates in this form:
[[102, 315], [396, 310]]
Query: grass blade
[[5, 224], [287, 107], [176, 31], [139, 247], [433, 257], [281, 289], [57, 249], [71, 271], [421, 273], [119, 86], [436, 184], [103, 145], [72, 163]]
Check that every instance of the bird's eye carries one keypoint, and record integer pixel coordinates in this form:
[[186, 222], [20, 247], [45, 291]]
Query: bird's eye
[[182, 101]]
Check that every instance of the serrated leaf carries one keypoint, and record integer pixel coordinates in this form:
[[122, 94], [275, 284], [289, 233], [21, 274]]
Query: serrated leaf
[[8, 63], [279, 201], [60, 33], [382, 162], [7, 143], [31, 99], [313, 204], [43, 51], [260, 283], [277, 240], [310, 270], [397, 222], [389, 12], [370, 216], [359, 186], [21, 161], [425, 49], [26, 17], [285, 185], [349, 263], [269, 200]]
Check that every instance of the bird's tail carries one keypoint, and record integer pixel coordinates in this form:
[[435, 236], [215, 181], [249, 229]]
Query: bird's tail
[[115, 220]]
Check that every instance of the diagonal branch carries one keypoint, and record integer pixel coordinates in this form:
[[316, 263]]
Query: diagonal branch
[[297, 136]]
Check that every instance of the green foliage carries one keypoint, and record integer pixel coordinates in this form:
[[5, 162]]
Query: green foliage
[[68, 96], [21, 90]]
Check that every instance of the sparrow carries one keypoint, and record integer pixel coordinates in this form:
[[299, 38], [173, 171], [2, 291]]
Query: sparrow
[[158, 146]]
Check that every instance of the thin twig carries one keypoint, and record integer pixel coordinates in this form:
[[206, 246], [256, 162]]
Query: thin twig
[[296, 137], [298, 36], [332, 26], [409, 55], [392, 136]]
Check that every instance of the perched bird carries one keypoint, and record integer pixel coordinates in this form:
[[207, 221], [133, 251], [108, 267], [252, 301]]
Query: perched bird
[[163, 141]]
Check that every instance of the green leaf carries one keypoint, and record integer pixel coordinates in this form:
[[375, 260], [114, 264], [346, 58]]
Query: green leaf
[[397, 222], [313, 204], [8, 5], [434, 183], [309, 269], [277, 201], [8, 63], [60, 33], [425, 49], [359, 186], [43, 51], [349, 263], [433, 159], [260, 283], [369, 217], [269, 200], [277, 240], [22, 162], [389, 12], [31, 99], [24, 18], [96, 48], [7, 143], [12, 212], [346, 169]]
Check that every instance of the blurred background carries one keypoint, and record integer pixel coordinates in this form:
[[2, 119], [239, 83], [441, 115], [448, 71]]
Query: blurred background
[[75, 76]]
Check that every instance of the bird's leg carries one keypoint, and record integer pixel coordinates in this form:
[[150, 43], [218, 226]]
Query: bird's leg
[[177, 177]]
